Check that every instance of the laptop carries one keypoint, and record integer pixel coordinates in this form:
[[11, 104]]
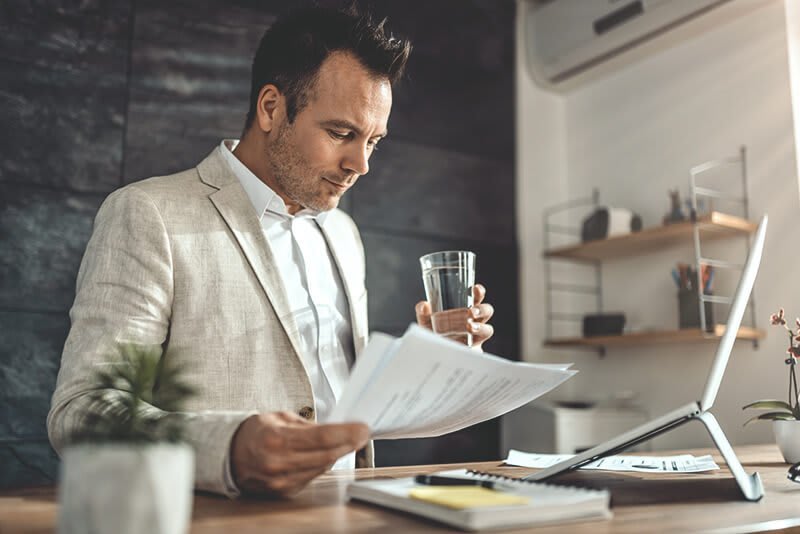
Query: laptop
[[751, 486]]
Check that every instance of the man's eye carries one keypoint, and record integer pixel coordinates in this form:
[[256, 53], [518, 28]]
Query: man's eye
[[373, 145], [338, 135]]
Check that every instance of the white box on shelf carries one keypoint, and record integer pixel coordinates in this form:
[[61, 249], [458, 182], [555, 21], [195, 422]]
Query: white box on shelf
[[565, 428]]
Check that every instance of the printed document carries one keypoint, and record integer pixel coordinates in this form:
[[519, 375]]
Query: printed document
[[424, 385], [683, 463]]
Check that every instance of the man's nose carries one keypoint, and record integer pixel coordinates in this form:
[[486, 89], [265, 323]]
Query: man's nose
[[356, 160]]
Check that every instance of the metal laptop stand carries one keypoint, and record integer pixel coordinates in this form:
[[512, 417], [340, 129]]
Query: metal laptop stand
[[751, 486]]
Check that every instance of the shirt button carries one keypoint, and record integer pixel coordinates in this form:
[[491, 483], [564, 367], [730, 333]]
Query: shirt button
[[306, 412]]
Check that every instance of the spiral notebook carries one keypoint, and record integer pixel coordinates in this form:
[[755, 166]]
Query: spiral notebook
[[510, 503]]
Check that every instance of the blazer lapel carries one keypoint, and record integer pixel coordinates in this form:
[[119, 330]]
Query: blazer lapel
[[235, 208]]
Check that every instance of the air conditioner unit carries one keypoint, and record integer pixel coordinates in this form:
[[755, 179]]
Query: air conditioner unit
[[566, 38]]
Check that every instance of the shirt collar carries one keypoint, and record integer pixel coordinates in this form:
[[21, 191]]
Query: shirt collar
[[260, 194]]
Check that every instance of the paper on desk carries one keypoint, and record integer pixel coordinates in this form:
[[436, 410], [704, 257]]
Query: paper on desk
[[683, 463], [424, 385]]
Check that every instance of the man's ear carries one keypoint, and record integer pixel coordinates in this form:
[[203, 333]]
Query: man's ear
[[270, 99]]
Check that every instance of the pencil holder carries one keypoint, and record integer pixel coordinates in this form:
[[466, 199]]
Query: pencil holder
[[689, 311]]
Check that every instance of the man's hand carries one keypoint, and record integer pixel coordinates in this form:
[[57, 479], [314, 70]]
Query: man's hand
[[279, 453], [474, 320]]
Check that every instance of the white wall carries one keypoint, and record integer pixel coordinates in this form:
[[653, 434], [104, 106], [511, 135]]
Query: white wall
[[634, 134], [541, 180], [793, 42]]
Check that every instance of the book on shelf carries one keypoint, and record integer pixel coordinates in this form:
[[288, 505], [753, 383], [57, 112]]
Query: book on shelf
[[485, 501]]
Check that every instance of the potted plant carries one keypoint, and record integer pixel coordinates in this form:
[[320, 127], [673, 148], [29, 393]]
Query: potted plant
[[785, 416], [127, 470]]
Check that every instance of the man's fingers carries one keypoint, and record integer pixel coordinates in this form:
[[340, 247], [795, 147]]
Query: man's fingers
[[481, 332], [291, 482], [481, 313], [478, 294], [327, 436], [280, 452], [293, 461], [423, 311], [450, 320]]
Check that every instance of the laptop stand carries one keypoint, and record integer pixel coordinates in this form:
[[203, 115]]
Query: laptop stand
[[751, 486]]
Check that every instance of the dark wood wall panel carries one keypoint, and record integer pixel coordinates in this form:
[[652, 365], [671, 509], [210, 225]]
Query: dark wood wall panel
[[473, 34], [459, 88], [63, 73], [415, 187], [30, 352], [394, 282], [27, 462], [69, 35], [43, 234], [479, 441], [67, 136], [62, 104], [98, 93], [462, 108], [189, 85]]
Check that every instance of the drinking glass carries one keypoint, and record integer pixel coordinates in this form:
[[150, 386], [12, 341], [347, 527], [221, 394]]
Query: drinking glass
[[448, 277]]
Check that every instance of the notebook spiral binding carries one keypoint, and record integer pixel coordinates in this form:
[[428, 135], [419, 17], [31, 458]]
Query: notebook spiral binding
[[499, 477], [492, 476]]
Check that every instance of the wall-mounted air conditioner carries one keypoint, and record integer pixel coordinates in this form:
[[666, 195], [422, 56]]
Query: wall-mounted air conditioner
[[564, 39]]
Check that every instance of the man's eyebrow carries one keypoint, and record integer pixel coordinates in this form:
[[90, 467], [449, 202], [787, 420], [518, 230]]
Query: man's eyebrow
[[347, 125]]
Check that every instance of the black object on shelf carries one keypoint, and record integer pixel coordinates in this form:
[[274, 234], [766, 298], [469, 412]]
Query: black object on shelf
[[603, 324], [608, 222], [689, 311]]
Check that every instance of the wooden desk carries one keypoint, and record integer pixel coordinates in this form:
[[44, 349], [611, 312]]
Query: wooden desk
[[641, 503]]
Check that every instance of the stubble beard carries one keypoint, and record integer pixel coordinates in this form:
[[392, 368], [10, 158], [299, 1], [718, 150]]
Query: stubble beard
[[293, 175]]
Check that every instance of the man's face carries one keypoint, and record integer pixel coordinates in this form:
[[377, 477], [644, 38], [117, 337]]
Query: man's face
[[314, 160]]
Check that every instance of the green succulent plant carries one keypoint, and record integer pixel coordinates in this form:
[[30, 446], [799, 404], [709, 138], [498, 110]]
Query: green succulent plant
[[782, 411], [133, 399]]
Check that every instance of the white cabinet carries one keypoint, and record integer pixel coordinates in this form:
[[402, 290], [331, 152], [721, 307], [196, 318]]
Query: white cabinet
[[553, 428]]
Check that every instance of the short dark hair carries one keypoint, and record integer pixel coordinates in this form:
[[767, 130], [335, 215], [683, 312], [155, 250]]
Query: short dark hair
[[295, 46]]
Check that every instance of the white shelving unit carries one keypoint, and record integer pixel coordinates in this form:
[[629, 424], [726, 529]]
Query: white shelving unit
[[704, 224]]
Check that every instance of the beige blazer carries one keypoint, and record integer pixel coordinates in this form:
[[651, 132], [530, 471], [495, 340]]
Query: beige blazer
[[182, 261]]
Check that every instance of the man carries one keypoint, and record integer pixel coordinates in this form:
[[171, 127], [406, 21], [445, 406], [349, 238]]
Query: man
[[243, 270]]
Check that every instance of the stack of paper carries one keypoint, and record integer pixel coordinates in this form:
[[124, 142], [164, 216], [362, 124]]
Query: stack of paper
[[424, 385], [683, 463]]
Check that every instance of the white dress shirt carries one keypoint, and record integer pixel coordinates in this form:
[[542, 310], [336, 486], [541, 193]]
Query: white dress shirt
[[313, 287]]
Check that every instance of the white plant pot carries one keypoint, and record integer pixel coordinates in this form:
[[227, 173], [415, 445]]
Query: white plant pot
[[126, 489], [787, 434]]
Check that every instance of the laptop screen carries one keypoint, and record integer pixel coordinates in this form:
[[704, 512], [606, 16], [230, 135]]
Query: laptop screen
[[735, 315]]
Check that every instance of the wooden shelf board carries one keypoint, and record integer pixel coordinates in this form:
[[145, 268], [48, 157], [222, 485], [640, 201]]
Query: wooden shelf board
[[661, 336], [713, 225]]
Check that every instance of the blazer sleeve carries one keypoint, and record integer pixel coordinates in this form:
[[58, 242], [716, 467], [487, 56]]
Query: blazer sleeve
[[124, 294]]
